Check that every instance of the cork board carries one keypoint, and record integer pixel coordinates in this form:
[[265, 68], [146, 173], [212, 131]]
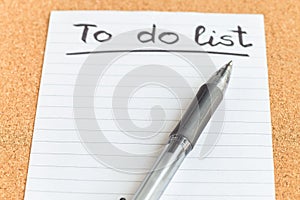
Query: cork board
[[24, 26]]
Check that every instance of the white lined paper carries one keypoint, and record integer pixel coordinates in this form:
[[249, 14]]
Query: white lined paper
[[239, 167]]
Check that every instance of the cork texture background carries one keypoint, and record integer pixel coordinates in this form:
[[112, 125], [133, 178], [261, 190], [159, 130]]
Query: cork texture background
[[23, 29]]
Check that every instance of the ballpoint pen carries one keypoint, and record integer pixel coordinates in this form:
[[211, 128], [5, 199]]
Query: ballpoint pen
[[185, 135]]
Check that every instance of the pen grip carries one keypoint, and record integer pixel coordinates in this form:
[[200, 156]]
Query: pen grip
[[199, 112]]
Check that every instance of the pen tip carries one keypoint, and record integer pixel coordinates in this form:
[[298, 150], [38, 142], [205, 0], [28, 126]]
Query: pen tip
[[228, 66], [230, 63]]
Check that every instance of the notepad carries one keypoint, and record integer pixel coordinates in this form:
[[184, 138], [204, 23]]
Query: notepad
[[114, 84]]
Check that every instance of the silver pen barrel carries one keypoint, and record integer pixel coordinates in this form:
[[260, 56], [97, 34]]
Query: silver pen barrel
[[164, 169], [185, 135]]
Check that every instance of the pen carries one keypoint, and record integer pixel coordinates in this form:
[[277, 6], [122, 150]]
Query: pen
[[185, 135]]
